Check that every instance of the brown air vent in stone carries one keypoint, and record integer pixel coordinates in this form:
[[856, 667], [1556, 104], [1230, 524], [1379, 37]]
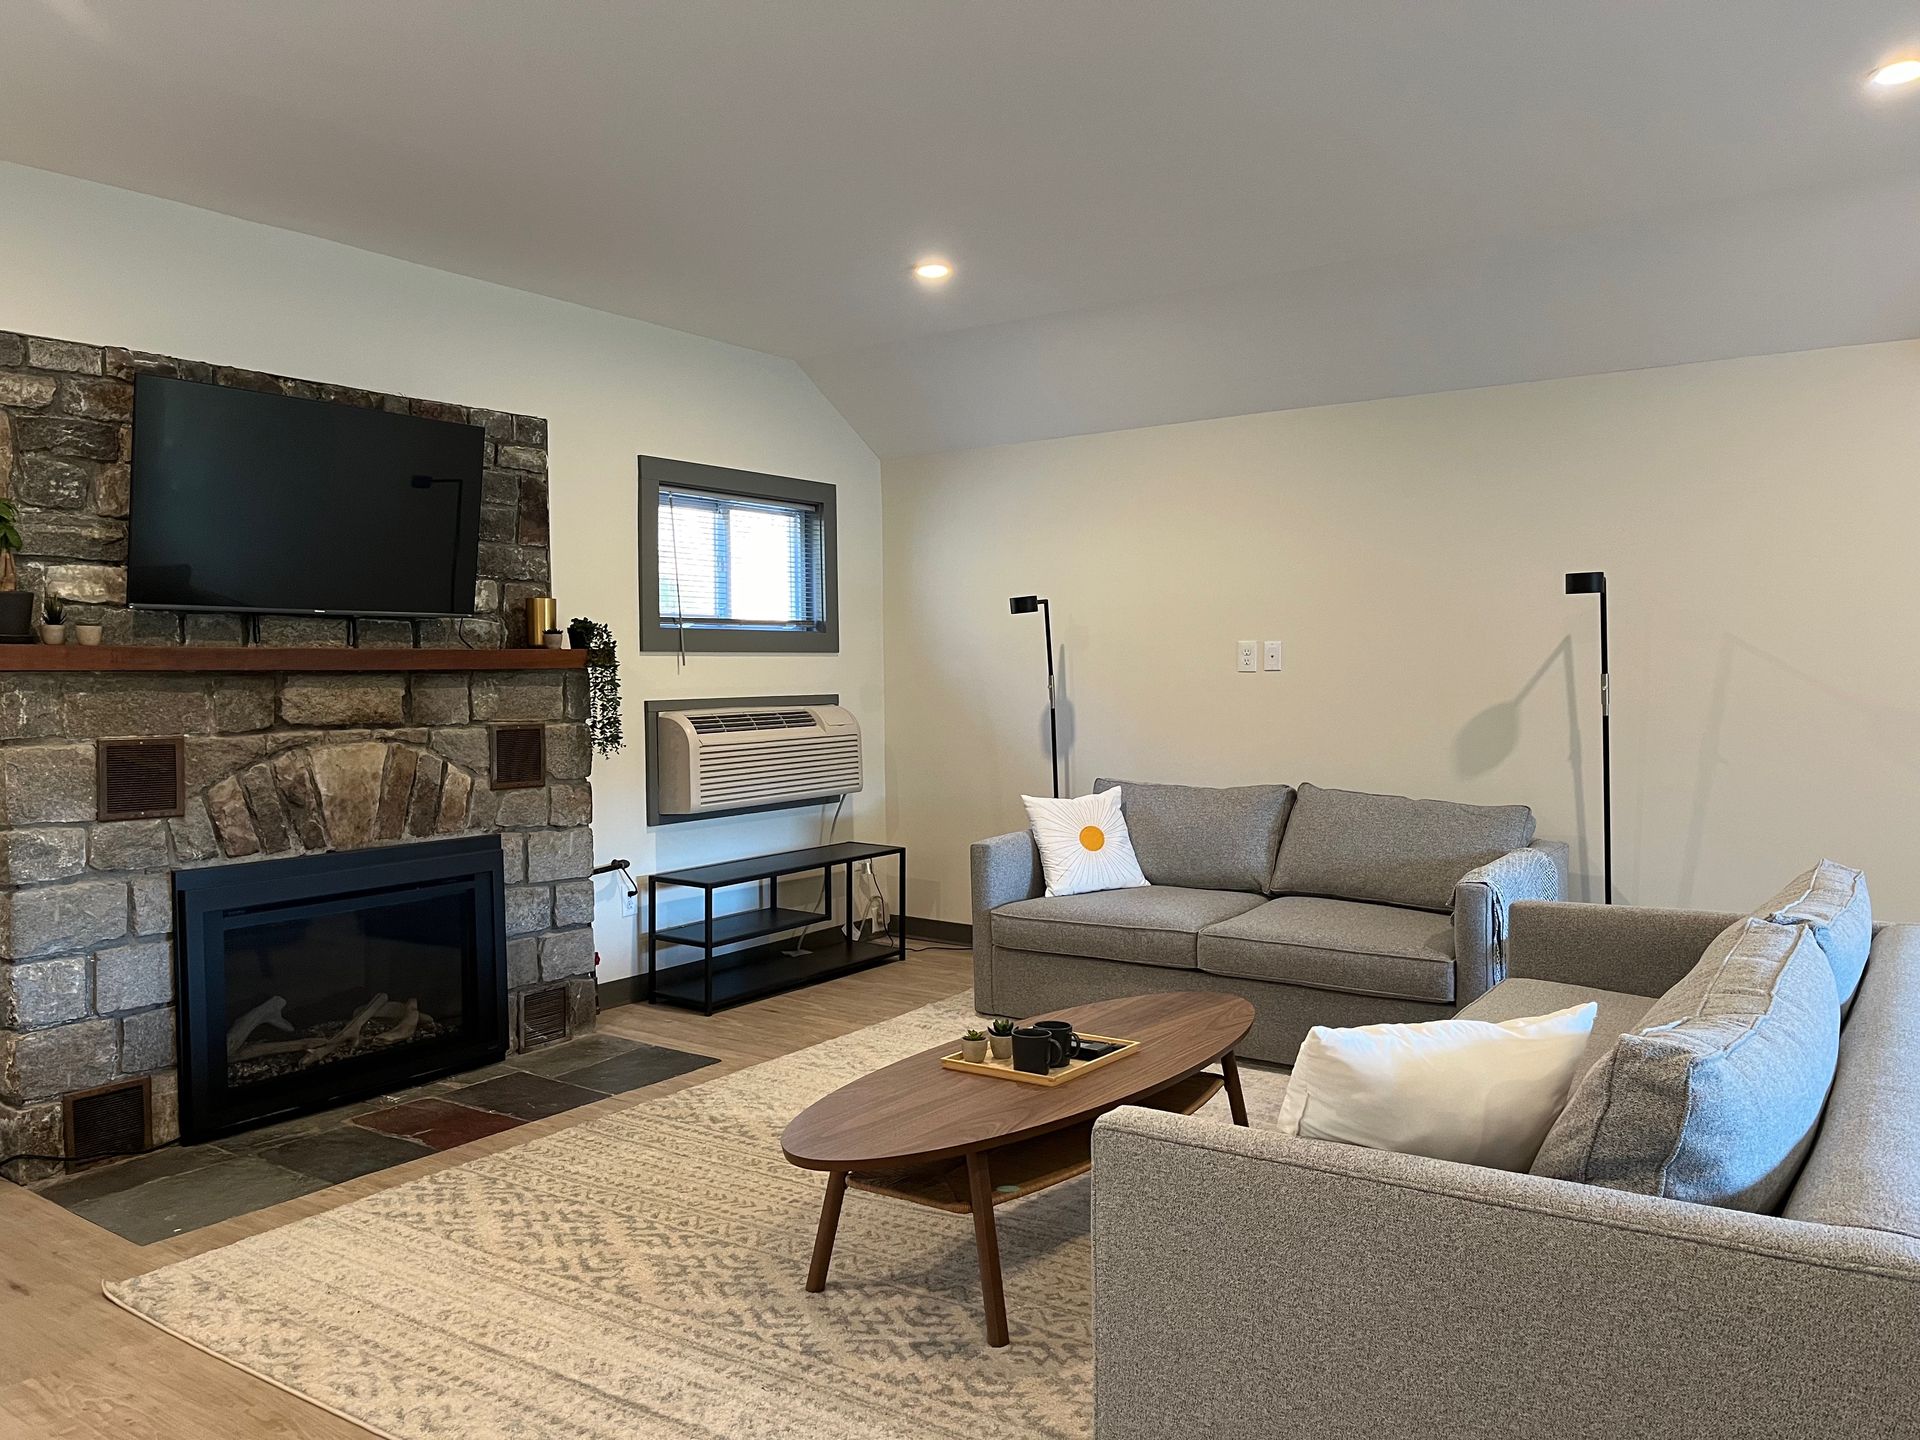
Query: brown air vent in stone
[[140, 779], [543, 1016], [519, 756], [114, 1119]]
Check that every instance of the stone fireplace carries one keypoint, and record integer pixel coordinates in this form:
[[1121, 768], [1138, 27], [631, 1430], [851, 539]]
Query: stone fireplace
[[279, 763]]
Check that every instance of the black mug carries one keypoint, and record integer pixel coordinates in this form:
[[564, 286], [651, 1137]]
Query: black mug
[[1062, 1031], [1036, 1051]]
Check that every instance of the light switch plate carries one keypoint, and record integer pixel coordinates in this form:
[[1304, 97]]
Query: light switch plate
[[1273, 655], [1247, 657]]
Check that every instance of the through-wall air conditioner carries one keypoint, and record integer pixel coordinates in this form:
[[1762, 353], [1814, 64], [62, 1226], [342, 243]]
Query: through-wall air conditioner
[[712, 761]]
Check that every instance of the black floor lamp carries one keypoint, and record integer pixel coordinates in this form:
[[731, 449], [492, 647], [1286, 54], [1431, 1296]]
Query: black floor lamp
[[1026, 605], [1594, 582]]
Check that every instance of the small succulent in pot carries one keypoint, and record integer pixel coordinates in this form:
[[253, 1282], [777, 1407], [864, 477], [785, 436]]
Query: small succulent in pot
[[973, 1046], [53, 629], [1000, 1037]]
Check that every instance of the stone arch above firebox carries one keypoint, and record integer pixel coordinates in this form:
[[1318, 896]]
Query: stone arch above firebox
[[339, 796]]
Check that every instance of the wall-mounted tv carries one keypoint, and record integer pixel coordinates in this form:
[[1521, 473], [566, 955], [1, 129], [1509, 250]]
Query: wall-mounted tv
[[244, 501]]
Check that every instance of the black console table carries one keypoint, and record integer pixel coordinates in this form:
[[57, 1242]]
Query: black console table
[[714, 982]]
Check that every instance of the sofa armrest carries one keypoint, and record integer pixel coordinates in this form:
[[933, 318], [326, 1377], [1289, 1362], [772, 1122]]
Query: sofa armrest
[[1004, 869], [1639, 950], [1480, 902], [1250, 1284]]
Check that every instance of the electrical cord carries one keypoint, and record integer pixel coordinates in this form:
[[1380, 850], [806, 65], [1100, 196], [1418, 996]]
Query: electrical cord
[[827, 827]]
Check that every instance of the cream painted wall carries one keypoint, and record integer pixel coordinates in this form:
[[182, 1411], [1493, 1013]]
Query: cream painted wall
[[86, 262], [1757, 520]]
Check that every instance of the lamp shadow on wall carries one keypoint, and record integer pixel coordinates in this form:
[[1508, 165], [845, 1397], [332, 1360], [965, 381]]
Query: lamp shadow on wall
[[1890, 727], [1491, 737], [1063, 707]]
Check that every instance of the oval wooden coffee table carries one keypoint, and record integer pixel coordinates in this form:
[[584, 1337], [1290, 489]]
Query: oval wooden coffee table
[[965, 1143]]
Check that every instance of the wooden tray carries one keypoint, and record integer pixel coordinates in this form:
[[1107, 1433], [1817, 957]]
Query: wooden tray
[[1072, 1070]]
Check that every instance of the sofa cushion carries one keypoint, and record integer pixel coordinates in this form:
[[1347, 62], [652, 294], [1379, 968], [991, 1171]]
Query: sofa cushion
[[1152, 926], [1715, 1095], [1615, 1014], [1865, 1165], [1203, 837], [1387, 848], [1832, 900], [1336, 945]]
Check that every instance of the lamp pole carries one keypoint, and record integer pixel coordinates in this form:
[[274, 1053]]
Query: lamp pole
[[1594, 582], [1026, 605]]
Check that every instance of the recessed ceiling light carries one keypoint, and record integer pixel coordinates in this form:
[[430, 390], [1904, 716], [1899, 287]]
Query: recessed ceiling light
[[932, 270], [1899, 72]]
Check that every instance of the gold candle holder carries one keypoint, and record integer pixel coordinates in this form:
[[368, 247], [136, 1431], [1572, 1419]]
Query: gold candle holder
[[543, 614]]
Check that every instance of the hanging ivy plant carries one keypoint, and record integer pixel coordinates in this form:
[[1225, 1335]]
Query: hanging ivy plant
[[603, 683]]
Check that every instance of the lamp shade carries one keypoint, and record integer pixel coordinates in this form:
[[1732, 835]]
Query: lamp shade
[[1586, 582], [1023, 604]]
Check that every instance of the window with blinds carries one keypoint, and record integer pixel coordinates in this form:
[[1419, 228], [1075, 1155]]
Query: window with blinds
[[739, 562]]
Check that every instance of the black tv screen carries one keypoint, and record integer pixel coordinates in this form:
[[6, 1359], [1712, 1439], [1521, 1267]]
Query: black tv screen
[[252, 502]]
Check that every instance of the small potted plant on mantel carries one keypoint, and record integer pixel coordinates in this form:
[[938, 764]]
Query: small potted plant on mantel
[[973, 1047], [1000, 1037], [16, 605], [53, 630]]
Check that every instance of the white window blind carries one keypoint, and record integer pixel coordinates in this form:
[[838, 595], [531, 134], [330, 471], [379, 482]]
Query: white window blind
[[731, 561]]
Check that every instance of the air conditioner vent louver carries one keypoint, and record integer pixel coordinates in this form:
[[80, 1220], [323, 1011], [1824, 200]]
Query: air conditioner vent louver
[[712, 761], [719, 722]]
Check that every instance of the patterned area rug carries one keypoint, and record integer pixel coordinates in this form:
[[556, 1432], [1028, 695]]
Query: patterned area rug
[[640, 1275]]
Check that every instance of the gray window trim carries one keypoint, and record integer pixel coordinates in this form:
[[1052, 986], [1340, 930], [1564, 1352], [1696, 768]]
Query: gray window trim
[[656, 471]]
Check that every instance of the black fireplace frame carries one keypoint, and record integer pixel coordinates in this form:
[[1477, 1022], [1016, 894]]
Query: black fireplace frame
[[204, 899]]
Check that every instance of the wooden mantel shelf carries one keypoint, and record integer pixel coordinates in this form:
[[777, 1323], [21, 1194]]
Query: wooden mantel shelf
[[236, 659]]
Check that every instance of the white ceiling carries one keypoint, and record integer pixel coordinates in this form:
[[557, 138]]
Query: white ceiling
[[1157, 210]]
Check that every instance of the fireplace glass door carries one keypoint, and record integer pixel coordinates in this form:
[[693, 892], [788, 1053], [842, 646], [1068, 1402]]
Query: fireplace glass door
[[309, 982]]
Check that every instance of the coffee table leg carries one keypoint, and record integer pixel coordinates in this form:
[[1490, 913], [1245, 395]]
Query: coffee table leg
[[1236, 1102], [823, 1237], [987, 1241]]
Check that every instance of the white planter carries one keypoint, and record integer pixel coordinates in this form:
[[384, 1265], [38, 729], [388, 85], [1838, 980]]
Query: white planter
[[87, 634], [53, 634], [974, 1052], [1002, 1046]]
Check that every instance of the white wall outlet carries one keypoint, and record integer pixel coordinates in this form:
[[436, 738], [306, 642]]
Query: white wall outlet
[[1273, 655], [1247, 662], [629, 902]]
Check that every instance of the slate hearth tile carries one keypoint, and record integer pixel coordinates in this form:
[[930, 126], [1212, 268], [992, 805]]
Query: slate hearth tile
[[345, 1153], [643, 1065], [572, 1055], [176, 1204], [251, 1142], [531, 1097], [106, 1180], [438, 1124]]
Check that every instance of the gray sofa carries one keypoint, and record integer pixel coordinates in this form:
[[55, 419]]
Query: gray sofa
[[1373, 1294], [1322, 907]]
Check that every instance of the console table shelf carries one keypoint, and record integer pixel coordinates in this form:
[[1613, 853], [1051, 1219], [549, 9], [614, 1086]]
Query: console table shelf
[[238, 659], [712, 981]]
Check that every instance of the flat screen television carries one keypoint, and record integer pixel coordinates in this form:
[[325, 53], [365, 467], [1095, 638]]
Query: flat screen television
[[243, 501]]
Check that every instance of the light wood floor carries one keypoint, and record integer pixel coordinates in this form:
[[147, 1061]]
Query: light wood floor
[[75, 1367]]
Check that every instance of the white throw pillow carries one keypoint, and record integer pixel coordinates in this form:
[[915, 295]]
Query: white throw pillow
[[1083, 843], [1469, 1090]]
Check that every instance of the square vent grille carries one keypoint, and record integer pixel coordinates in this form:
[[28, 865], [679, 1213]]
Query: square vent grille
[[141, 779], [544, 1017], [519, 756], [114, 1119]]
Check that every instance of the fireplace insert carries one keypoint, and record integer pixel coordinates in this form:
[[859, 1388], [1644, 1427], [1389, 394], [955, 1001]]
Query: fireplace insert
[[310, 982]]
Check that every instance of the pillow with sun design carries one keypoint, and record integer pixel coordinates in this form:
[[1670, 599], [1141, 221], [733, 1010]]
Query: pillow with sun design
[[1084, 845]]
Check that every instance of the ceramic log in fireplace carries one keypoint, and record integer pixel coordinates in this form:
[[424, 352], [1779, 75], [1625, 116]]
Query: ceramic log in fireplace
[[310, 982]]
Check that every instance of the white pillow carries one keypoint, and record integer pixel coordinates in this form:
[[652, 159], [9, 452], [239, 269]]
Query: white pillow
[[1083, 843], [1467, 1090]]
